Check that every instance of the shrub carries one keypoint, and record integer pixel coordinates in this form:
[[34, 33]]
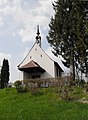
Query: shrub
[[20, 87], [64, 86], [26, 82], [80, 83], [34, 86], [86, 87], [67, 93], [17, 83]]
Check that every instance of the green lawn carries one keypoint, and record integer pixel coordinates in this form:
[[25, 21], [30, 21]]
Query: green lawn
[[24, 106]]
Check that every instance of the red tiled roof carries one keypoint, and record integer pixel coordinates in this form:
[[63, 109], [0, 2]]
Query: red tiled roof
[[31, 64], [31, 67]]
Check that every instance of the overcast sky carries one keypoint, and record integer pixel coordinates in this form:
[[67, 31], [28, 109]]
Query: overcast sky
[[18, 21]]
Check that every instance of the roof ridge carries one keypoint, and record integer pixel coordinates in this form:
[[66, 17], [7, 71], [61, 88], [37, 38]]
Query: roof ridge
[[34, 63]]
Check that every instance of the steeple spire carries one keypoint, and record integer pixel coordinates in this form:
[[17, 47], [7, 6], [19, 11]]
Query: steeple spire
[[38, 38], [38, 30]]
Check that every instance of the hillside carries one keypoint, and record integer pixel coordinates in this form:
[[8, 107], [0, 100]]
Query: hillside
[[45, 106]]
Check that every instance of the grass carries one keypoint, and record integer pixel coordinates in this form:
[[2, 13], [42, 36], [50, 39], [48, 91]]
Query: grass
[[48, 106]]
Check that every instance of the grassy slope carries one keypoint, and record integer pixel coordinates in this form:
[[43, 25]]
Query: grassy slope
[[15, 106]]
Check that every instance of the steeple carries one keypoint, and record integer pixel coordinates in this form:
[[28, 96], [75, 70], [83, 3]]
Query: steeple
[[38, 38]]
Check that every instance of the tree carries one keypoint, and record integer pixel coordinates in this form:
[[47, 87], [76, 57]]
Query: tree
[[0, 72], [0, 79], [5, 73], [68, 34]]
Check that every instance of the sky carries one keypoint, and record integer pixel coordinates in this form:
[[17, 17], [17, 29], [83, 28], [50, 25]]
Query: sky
[[18, 22]]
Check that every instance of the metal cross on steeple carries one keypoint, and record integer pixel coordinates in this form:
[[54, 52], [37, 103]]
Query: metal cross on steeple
[[38, 38]]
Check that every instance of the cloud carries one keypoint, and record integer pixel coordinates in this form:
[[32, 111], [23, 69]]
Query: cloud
[[3, 2], [28, 18], [27, 33], [1, 22], [24, 54]]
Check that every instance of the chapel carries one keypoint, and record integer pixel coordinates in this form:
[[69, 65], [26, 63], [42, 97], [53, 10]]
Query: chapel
[[38, 64]]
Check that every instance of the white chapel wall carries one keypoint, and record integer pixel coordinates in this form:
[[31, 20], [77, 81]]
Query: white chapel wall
[[39, 56]]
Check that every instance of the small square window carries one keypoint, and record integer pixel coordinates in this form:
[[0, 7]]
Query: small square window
[[30, 57], [41, 55]]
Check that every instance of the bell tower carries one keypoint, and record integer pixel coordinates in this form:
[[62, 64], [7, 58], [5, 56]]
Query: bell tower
[[38, 37]]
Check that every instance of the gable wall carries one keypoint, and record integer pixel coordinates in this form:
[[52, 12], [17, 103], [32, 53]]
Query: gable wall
[[39, 56]]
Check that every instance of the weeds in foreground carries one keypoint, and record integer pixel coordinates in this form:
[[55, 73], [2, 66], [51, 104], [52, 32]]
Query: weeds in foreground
[[65, 88]]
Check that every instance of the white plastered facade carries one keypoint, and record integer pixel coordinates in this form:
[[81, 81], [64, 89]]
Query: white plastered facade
[[38, 55]]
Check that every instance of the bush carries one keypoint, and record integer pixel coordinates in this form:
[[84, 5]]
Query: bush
[[65, 93], [86, 87], [26, 82], [80, 83], [34, 86], [64, 86], [20, 87], [17, 83]]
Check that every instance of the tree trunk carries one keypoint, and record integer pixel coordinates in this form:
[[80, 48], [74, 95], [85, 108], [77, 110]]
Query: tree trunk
[[72, 68]]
